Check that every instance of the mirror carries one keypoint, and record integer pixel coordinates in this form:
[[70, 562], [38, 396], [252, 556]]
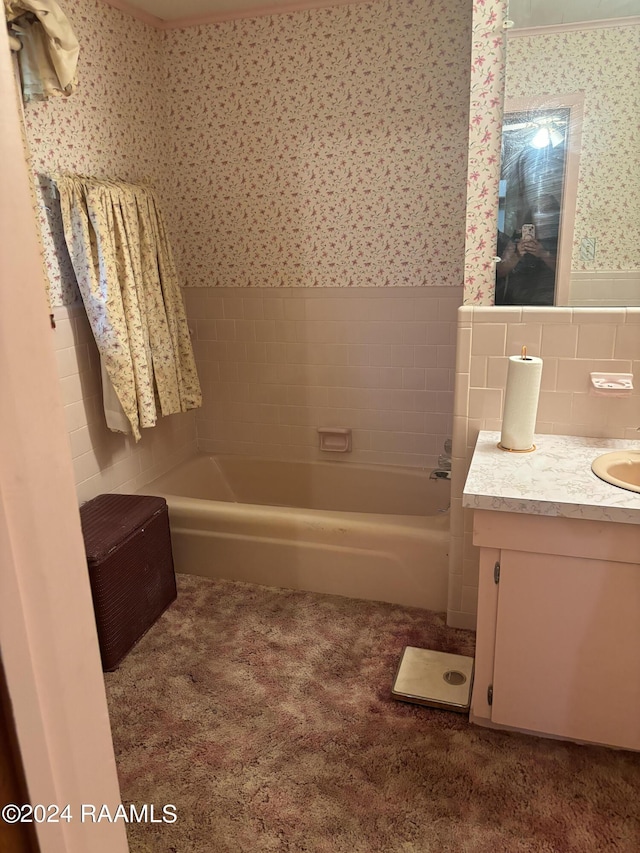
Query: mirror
[[536, 198], [569, 207]]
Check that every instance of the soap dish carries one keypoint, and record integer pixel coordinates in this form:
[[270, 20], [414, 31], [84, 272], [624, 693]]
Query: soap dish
[[611, 384]]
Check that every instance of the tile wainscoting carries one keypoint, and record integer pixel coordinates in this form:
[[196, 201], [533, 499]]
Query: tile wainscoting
[[276, 364], [104, 461], [603, 287], [572, 342]]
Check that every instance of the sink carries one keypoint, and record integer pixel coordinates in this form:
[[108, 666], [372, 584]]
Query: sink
[[620, 468]]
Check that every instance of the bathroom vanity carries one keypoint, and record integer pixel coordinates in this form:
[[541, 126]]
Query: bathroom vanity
[[558, 641]]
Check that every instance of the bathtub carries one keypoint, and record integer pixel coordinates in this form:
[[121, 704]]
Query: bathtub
[[364, 531]]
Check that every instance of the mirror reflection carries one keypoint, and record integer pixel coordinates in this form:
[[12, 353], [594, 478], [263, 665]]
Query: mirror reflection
[[530, 205], [569, 207]]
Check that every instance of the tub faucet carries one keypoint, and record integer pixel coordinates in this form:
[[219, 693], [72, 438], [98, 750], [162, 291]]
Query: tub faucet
[[444, 462], [444, 459]]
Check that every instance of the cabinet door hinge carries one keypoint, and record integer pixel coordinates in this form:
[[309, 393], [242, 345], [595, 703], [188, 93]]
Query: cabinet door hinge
[[496, 573], [490, 694]]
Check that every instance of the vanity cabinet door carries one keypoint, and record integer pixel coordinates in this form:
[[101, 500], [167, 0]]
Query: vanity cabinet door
[[567, 648]]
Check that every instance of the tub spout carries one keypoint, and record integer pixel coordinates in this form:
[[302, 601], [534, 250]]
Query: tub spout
[[440, 474]]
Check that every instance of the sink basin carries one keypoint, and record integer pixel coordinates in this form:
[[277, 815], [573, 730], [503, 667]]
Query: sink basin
[[620, 468]]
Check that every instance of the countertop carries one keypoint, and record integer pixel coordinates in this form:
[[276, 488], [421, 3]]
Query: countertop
[[554, 480]]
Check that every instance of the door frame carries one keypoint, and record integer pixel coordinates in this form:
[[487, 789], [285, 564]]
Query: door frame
[[48, 640]]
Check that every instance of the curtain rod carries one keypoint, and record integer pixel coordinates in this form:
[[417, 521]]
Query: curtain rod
[[52, 178], [61, 173]]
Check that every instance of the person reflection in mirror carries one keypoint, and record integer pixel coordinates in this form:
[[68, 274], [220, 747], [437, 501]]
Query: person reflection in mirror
[[526, 274]]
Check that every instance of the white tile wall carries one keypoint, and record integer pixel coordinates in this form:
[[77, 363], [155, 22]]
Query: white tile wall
[[572, 342], [276, 364], [106, 461]]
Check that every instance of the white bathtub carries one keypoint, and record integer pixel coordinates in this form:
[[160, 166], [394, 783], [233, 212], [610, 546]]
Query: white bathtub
[[365, 531]]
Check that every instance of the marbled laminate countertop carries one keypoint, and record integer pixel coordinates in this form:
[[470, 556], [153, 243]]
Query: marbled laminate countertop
[[554, 480]]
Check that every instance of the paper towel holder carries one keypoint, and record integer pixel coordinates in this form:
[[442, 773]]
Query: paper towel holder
[[512, 450]]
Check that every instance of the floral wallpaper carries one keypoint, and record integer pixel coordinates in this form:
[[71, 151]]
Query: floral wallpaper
[[319, 148], [485, 130], [108, 128], [604, 64], [324, 148]]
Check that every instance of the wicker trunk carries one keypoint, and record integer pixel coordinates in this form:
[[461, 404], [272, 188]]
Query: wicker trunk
[[128, 547]]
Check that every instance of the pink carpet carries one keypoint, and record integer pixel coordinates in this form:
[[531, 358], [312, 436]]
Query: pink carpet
[[265, 716]]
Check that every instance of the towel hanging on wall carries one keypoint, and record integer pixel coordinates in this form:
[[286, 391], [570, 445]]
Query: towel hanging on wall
[[47, 48], [129, 286]]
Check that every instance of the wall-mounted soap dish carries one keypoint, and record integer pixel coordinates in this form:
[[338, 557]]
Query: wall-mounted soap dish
[[611, 384], [335, 439]]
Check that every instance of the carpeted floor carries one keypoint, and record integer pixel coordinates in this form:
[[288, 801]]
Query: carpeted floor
[[265, 716]]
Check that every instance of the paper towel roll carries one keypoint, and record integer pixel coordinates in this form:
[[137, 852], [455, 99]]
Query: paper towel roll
[[521, 402]]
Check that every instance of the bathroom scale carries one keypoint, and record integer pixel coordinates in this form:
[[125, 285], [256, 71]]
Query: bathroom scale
[[436, 679]]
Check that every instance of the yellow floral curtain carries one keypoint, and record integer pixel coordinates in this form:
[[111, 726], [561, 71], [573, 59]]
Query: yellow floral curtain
[[47, 48], [128, 282]]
